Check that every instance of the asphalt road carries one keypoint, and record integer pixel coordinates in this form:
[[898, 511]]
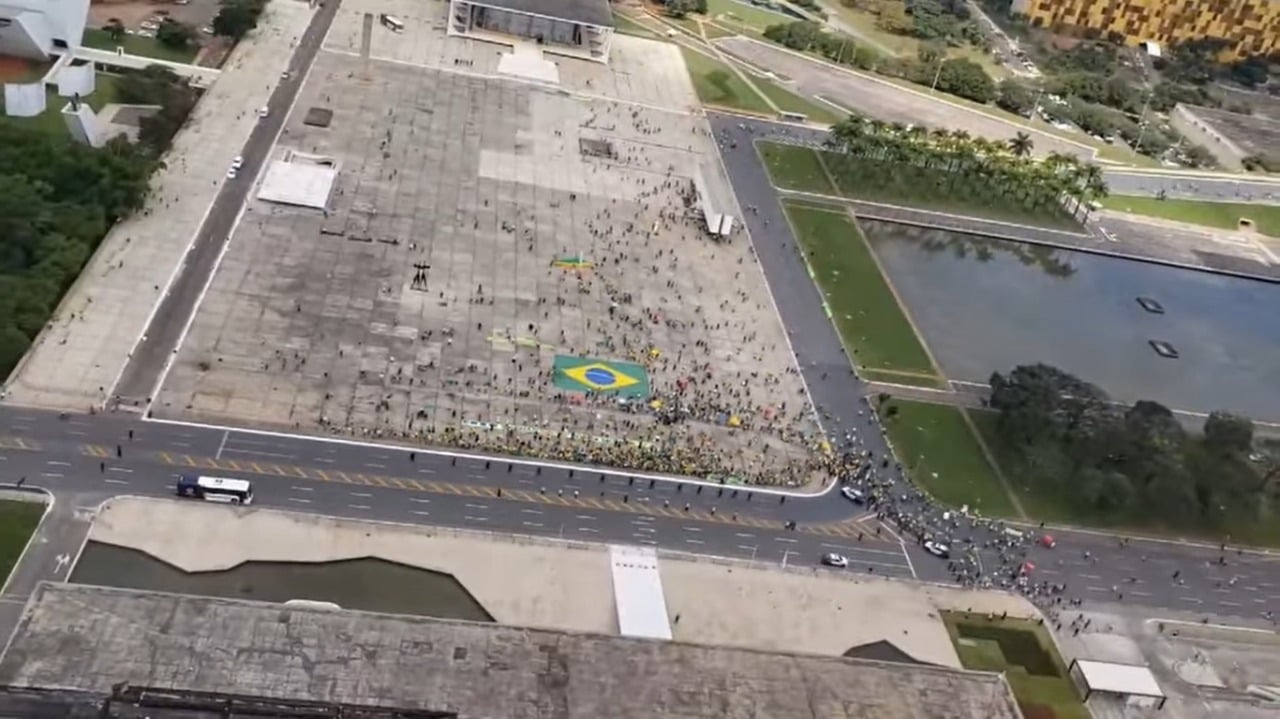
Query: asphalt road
[[147, 363], [85, 459]]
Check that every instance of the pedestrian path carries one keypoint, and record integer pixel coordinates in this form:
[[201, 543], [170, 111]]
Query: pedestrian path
[[78, 357]]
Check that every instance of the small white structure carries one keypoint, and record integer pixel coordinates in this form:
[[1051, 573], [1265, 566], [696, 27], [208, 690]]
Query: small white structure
[[36, 29], [24, 99], [77, 80], [1152, 48], [83, 124], [577, 28], [637, 593], [713, 200], [1135, 684], [301, 180]]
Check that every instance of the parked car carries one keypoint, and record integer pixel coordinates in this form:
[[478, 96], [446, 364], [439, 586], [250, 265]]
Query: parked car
[[237, 163]]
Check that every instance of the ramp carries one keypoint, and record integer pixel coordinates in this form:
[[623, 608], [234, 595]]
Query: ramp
[[637, 593]]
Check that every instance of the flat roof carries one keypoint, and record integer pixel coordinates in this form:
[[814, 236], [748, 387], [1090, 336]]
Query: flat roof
[[1114, 678], [301, 183], [81, 638], [637, 592], [587, 12]]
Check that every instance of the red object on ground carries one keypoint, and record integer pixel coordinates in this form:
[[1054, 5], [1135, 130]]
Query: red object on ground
[[1027, 567], [1047, 541]]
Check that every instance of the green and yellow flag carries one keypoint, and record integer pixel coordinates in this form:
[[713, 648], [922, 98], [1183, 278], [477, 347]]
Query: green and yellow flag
[[584, 374]]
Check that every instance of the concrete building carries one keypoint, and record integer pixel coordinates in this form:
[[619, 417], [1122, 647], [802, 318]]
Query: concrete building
[[1229, 136], [1251, 27], [83, 643], [577, 28], [36, 29]]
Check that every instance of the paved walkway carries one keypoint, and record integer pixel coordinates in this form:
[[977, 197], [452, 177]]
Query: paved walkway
[[79, 356]]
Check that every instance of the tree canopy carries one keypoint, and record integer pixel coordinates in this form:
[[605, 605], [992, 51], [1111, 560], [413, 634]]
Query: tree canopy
[[57, 200], [1006, 168], [1137, 464]]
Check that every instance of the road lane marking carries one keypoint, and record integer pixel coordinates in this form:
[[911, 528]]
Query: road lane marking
[[477, 506], [694, 541], [692, 529], [422, 514], [375, 465], [53, 475], [1193, 600], [584, 516], [784, 539], [744, 535], [326, 460], [300, 501], [532, 524], [420, 500], [122, 470], [303, 489], [358, 506], [361, 494], [531, 511], [114, 481], [650, 530], [56, 463], [476, 519]]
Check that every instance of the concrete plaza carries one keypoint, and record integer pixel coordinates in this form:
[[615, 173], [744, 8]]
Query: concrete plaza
[[481, 227]]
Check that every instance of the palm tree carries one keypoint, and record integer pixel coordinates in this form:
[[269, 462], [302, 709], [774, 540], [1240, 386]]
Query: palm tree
[[1021, 144]]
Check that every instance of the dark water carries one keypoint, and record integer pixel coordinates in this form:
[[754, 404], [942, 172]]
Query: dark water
[[368, 584], [989, 305]]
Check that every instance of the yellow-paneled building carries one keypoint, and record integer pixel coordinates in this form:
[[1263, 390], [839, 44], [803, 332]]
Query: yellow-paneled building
[[1251, 26]]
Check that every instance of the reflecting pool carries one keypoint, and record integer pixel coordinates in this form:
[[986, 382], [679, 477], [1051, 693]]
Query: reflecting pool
[[989, 305]]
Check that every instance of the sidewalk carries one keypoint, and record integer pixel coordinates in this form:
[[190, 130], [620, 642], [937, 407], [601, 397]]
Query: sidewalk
[[78, 357]]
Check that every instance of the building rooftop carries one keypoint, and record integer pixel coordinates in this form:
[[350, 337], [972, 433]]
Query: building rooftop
[[1254, 134], [587, 12], [90, 639]]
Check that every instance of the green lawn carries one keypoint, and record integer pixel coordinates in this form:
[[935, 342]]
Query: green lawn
[[872, 326], [792, 167], [51, 122], [1024, 651], [18, 521], [1223, 215], [932, 189], [134, 45], [739, 16], [717, 84], [938, 448], [789, 101]]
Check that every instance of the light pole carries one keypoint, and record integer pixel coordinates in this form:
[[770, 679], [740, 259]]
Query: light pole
[[1142, 121], [936, 75]]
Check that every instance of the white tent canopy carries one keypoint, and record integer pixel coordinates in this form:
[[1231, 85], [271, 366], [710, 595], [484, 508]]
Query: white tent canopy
[[1113, 678]]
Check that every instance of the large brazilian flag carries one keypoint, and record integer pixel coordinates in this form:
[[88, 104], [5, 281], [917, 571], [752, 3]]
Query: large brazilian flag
[[584, 374]]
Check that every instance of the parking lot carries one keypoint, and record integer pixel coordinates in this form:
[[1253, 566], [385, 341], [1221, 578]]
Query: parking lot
[[483, 231]]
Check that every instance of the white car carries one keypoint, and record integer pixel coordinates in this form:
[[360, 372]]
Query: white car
[[854, 495], [284, 75], [146, 33], [937, 549], [237, 163], [231, 174], [831, 559], [264, 111], [207, 30]]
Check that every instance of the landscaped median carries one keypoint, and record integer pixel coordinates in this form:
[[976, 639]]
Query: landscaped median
[[1024, 652], [718, 84], [1222, 215], [872, 325], [804, 169], [937, 447], [18, 521]]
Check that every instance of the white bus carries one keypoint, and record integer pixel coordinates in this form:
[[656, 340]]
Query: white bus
[[391, 21], [216, 489]]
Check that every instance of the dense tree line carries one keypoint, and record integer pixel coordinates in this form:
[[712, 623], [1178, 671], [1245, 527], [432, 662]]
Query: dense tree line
[[58, 199], [1004, 168], [1135, 464], [236, 18]]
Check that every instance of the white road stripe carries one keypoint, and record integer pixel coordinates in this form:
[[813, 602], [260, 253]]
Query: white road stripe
[[300, 501]]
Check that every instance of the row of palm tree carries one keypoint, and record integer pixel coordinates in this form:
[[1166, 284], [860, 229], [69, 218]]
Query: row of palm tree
[[1004, 168]]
